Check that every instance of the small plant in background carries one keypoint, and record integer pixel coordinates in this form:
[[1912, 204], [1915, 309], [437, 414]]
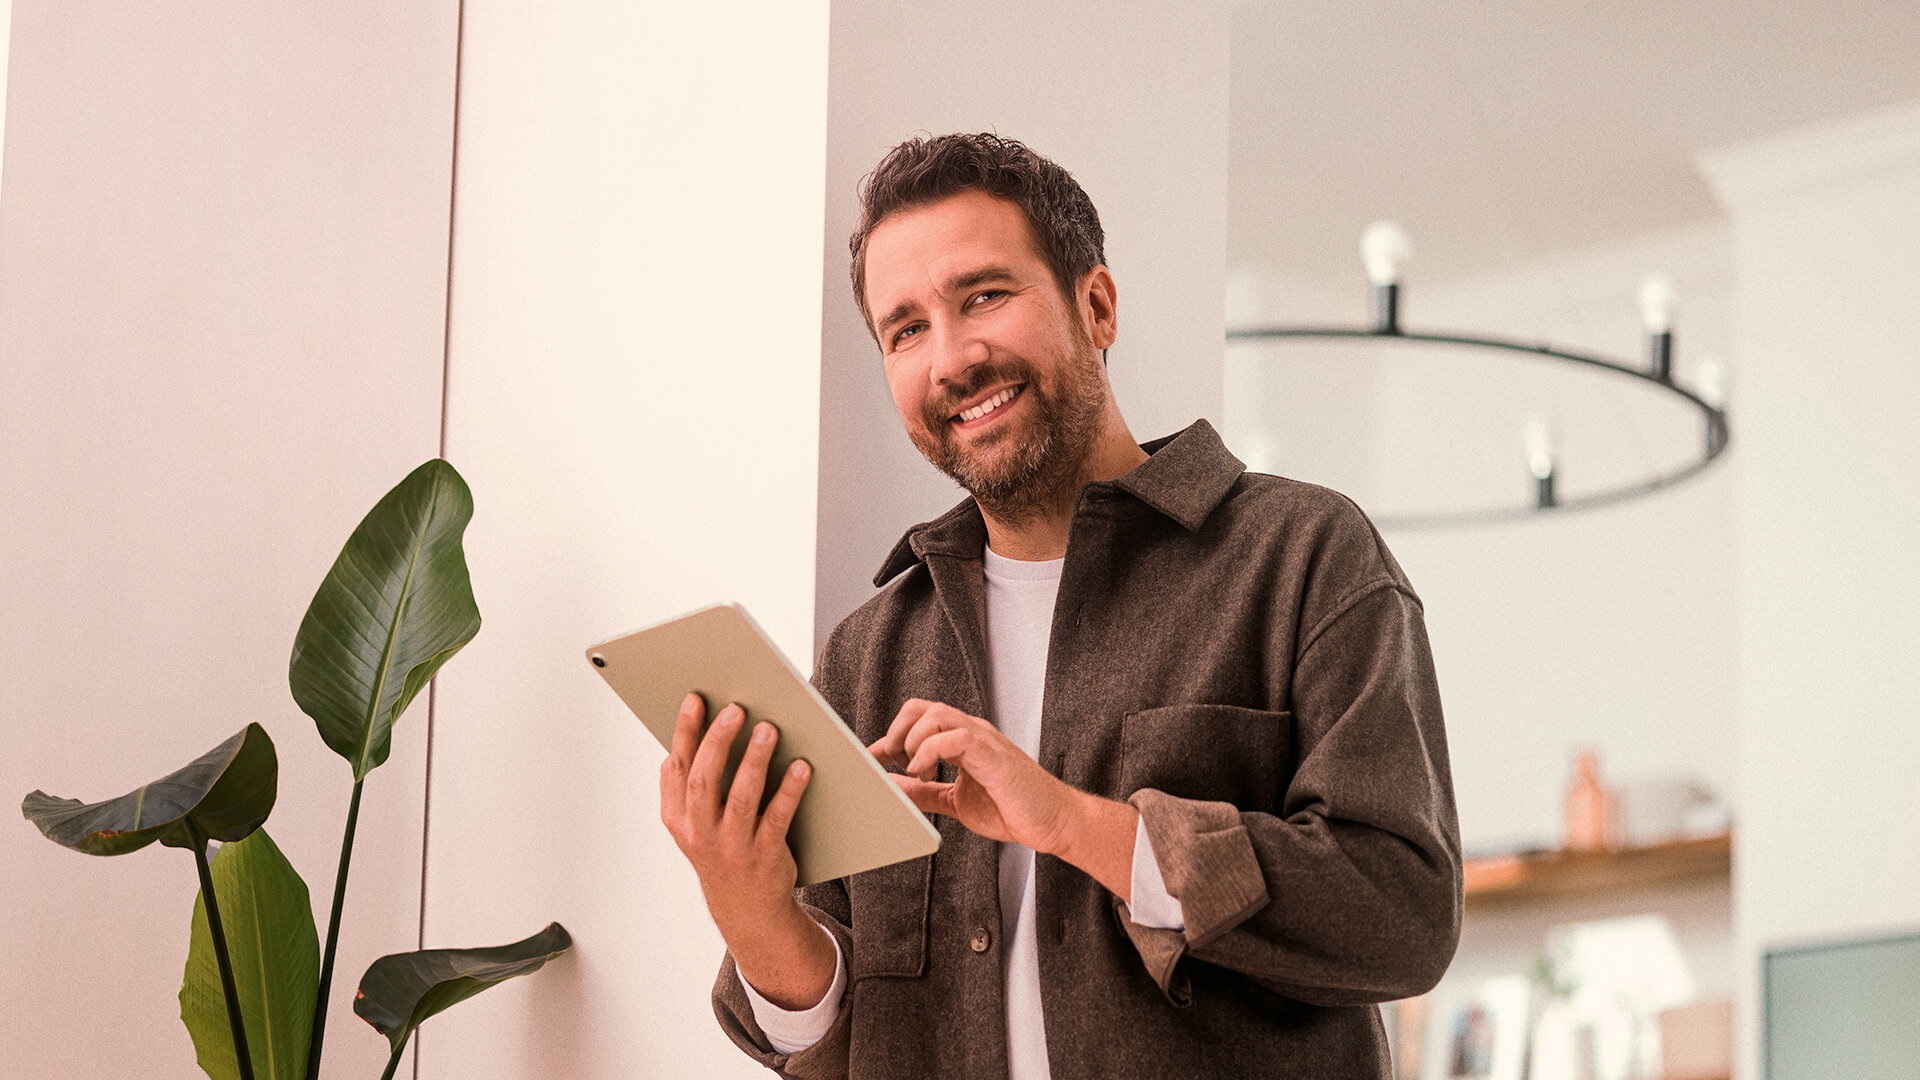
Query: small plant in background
[[397, 604]]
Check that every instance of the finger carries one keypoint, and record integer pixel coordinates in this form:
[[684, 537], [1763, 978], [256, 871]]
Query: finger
[[786, 800], [927, 796], [673, 794], [935, 720], [950, 745], [750, 780], [890, 749], [673, 771], [710, 765], [686, 729], [892, 746]]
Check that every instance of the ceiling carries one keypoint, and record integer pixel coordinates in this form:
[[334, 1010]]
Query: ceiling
[[1501, 131]]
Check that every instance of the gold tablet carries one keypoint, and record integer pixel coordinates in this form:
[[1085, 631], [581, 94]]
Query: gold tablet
[[851, 818]]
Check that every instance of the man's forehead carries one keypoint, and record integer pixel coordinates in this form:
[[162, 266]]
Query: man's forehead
[[949, 243]]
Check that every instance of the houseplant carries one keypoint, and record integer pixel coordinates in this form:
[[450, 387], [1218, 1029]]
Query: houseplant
[[396, 605]]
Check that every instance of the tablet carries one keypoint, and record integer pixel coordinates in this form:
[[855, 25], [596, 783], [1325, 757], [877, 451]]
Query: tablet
[[851, 818]]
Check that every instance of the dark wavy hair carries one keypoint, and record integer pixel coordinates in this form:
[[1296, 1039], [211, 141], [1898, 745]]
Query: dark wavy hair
[[928, 168]]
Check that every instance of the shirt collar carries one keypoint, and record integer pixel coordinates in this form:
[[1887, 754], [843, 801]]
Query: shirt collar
[[1185, 477]]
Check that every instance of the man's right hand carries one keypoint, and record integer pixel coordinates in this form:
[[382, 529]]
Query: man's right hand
[[746, 869]]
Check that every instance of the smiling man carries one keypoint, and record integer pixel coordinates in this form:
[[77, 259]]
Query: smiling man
[[993, 362], [1177, 722]]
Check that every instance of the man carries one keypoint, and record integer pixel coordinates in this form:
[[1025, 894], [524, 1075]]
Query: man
[[1177, 722]]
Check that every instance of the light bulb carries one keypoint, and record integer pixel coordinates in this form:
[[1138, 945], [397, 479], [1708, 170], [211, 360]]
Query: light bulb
[[1542, 445], [1385, 248], [1656, 304]]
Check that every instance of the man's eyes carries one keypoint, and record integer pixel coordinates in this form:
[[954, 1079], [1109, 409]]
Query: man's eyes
[[911, 330]]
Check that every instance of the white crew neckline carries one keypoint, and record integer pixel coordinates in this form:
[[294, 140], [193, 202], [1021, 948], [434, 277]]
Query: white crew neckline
[[1002, 568]]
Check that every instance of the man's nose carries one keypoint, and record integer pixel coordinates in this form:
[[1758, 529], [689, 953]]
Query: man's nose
[[956, 353]]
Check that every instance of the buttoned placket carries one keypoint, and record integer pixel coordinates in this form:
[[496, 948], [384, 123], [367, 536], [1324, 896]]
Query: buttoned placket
[[1092, 534], [960, 583]]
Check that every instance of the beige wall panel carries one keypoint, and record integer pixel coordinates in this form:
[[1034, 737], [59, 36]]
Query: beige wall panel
[[222, 270], [1131, 98], [1827, 227], [634, 397]]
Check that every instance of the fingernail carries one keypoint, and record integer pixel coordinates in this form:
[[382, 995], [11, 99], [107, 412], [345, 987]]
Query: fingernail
[[687, 703], [763, 733], [800, 769], [733, 713]]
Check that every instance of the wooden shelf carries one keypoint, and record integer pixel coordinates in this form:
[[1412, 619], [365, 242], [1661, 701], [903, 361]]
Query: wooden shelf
[[1566, 873]]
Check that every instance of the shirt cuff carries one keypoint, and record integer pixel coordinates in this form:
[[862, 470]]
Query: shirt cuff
[[1151, 904], [789, 1031], [1208, 857]]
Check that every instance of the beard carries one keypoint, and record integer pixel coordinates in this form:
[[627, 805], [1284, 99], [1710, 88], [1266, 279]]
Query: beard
[[1019, 471]]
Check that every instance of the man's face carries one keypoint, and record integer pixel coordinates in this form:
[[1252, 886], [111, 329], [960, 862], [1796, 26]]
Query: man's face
[[995, 373]]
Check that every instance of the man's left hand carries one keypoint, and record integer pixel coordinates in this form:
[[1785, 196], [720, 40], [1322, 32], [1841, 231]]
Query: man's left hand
[[1002, 794]]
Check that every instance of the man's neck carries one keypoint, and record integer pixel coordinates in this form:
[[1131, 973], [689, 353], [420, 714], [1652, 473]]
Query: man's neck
[[1042, 534]]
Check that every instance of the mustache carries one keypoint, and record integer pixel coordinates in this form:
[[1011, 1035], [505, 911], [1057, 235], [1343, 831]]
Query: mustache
[[937, 411]]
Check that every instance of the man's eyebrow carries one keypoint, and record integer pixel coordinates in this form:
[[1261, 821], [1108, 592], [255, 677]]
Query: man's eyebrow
[[885, 322], [959, 283], [979, 277]]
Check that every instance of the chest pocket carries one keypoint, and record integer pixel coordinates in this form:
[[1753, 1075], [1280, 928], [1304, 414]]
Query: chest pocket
[[890, 919], [1221, 753]]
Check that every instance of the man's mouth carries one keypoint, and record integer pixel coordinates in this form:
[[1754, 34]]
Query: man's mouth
[[989, 406]]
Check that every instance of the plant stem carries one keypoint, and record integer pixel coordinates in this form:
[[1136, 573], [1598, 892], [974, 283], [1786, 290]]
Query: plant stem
[[394, 1061], [234, 1023], [333, 936]]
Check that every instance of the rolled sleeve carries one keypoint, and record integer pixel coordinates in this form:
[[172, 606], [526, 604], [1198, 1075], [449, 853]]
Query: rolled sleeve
[[793, 1030], [1207, 860], [1209, 867], [826, 1058]]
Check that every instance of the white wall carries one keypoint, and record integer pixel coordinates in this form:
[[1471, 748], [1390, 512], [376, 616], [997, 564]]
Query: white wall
[[222, 273], [1294, 411], [1149, 147], [634, 398], [1827, 228]]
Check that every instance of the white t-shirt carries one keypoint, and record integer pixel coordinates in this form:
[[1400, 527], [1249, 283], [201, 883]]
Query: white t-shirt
[[1020, 598]]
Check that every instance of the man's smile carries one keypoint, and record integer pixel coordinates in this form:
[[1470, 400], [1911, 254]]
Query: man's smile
[[989, 407]]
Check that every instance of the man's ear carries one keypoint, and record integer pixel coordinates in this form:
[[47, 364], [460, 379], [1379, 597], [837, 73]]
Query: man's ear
[[1099, 305]]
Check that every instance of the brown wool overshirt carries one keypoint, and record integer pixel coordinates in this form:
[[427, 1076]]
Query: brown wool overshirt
[[1239, 657]]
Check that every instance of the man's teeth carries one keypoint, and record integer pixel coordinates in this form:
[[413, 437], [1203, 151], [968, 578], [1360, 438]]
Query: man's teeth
[[990, 404]]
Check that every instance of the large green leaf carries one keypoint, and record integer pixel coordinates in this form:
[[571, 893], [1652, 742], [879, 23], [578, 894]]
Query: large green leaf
[[275, 950], [400, 991], [224, 794], [396, 605]]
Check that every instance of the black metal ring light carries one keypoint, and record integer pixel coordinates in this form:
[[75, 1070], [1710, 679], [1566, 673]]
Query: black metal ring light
[[1658, 371]]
